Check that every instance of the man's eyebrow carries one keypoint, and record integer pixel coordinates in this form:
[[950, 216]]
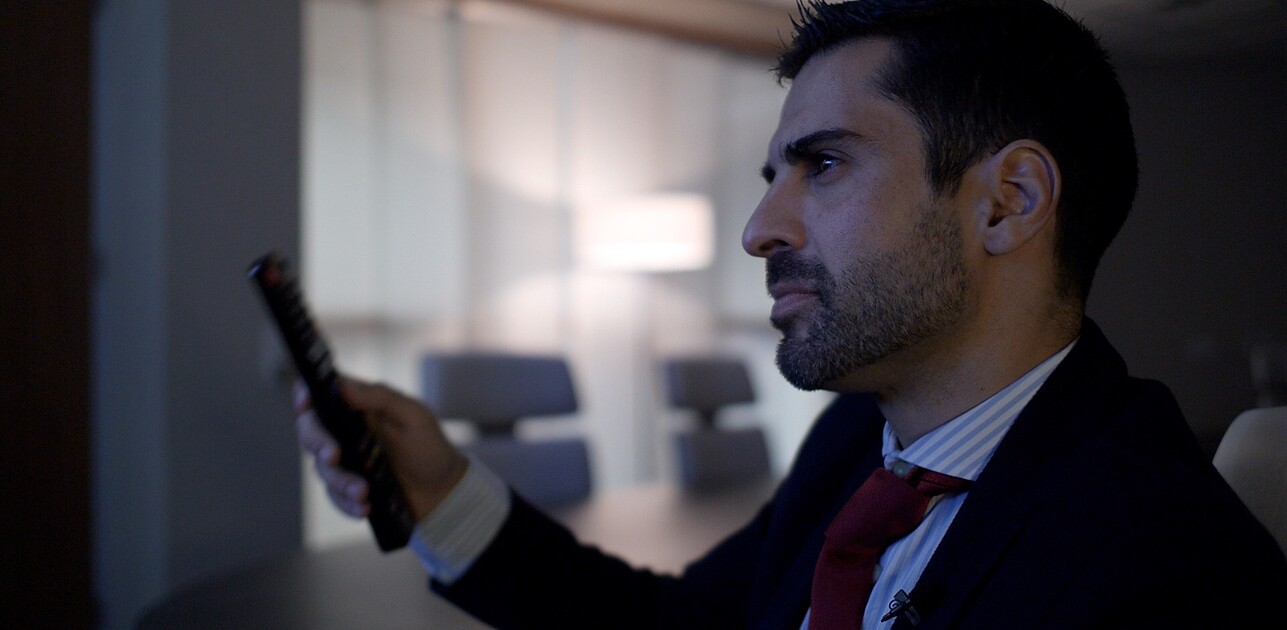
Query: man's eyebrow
[[802, 148]]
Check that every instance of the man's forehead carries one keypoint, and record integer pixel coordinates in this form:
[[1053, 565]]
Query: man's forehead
[[836, 89]]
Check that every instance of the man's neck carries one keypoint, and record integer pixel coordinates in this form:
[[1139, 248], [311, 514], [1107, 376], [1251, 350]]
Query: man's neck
[[949, 378]]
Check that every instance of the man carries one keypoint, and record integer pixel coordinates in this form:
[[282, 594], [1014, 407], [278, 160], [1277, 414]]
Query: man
[[943, 181]]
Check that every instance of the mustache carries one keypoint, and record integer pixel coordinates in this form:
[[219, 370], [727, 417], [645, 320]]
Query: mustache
[[790, 266]]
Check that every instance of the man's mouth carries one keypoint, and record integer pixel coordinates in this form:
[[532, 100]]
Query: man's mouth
[[796, 285], [790, 300]]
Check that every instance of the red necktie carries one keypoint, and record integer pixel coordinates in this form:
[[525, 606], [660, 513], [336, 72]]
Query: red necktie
[[882, 510]]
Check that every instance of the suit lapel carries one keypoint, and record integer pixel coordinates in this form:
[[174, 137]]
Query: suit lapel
[[840, 452], [1010, 487], [797, 582]]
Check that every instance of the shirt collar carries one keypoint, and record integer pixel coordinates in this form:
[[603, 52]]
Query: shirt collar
[[963, 446]]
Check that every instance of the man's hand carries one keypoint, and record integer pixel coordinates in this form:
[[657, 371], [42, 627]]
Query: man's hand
[[426, 464]]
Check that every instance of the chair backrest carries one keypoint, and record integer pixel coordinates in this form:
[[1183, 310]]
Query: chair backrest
[[1252, 457], [707, 384], [549, 473], [493, 391], [709, 457]]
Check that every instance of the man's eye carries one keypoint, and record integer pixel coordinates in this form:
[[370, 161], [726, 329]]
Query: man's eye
[[822, 164]]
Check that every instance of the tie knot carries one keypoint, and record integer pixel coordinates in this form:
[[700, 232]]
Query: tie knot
[[932, 484]]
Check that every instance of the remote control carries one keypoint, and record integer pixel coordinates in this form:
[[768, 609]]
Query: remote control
[[390, 518]]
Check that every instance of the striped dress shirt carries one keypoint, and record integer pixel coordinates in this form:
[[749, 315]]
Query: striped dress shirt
[[960, 448]]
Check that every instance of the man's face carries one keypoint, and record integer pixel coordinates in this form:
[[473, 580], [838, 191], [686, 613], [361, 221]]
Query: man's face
[[864, 262]]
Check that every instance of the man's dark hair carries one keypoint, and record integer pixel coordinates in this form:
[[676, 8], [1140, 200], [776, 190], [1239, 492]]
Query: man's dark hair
[[979, 74]]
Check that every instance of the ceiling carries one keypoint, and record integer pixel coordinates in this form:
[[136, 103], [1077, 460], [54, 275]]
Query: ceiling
[[1161, 30], [1134, 31]]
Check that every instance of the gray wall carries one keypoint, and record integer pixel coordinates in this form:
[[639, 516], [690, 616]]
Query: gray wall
[[1199, 273], [196, 153]]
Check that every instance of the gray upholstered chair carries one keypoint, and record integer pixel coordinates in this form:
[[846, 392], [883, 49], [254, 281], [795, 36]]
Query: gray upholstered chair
[[709, 456], [1252, 457], [493, 392]]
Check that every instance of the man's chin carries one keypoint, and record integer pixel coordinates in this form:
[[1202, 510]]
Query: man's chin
[[809, 378], [799, 369]]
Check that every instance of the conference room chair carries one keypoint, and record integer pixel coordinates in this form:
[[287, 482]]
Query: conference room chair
[[1252, 457], [493, 392], [709, 456]]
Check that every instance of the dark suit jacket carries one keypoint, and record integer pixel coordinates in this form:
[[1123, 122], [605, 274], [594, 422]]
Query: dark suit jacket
[[1098, 509]]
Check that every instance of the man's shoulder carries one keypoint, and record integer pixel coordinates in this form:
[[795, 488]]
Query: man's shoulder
[[1140, 457], [1145, 479], [1124, 510]]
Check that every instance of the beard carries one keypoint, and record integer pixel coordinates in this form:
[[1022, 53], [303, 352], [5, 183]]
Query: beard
[[877, 305]]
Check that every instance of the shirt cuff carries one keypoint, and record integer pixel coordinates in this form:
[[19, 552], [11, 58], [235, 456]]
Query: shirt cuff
[[451, 538]]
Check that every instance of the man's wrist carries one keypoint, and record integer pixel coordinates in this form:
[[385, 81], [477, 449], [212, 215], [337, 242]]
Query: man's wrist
[[423, 503], [452, 536]]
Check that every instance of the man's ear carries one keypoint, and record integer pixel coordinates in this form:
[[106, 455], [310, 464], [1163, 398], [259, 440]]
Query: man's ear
[[1023, 186]]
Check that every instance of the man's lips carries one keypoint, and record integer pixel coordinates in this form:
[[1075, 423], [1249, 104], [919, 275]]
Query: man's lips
[[789, 298], [782, 289]]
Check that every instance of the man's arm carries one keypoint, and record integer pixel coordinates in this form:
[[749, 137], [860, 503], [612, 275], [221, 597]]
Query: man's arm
[[532, 571]]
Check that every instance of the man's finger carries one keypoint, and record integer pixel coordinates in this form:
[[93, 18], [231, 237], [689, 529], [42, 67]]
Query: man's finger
[[303, 400], [315, 439], [381, 402], [347, 483], [356, 509]]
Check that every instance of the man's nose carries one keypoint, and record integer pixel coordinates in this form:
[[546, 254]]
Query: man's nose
[[775, 225]]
